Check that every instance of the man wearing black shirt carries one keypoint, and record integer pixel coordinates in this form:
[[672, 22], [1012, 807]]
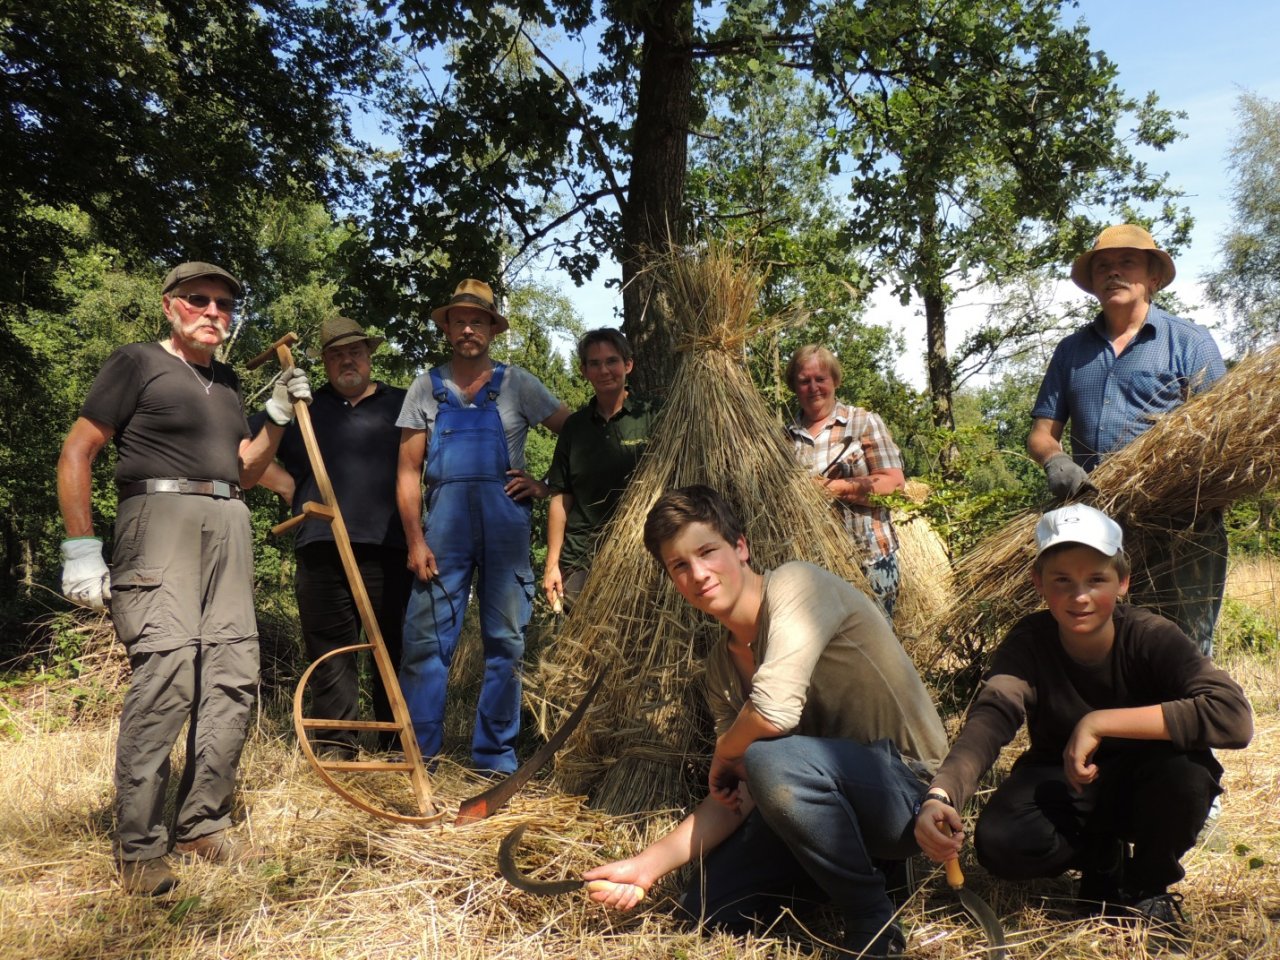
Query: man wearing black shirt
[[354, 417], [181, 580]]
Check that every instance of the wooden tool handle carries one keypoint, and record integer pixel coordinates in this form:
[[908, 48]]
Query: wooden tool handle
[[955, 876], [280, 348], [608, 886]]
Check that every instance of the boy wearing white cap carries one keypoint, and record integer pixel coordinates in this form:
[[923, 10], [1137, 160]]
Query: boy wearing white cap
[[1122, 712]]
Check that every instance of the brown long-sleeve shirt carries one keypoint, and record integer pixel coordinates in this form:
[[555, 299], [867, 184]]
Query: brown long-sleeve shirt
[[1033, 679]]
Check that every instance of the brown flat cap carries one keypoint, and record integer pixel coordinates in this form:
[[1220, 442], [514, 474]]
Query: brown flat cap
[[197, 269]]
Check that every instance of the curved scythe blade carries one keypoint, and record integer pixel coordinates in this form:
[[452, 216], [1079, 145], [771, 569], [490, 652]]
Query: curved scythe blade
[[511, 872], [488, 803]]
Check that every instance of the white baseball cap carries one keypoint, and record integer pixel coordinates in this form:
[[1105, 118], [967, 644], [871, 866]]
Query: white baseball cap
[[1079, 523]]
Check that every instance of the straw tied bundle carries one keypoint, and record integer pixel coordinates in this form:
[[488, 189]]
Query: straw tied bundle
[[1219, 446], [643, 742]]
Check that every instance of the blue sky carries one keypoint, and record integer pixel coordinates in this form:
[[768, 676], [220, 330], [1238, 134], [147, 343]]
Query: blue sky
[[1197, 57]]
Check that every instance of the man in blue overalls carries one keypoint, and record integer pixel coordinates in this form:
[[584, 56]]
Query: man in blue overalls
[[467, 420]]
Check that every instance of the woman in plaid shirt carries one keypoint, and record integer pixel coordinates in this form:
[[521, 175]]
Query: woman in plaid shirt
[[851, 454]]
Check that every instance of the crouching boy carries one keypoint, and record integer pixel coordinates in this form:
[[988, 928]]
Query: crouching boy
[[1122, 711], [825, 739]]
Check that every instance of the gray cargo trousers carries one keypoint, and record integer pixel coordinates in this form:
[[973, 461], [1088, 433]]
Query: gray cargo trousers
[[182, 604]]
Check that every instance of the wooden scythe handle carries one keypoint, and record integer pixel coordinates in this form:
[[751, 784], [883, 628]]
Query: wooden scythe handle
[[368, 619]]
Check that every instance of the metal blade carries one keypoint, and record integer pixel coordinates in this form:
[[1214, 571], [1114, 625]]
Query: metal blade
[[486, 804], [986, 918], [511, 872]]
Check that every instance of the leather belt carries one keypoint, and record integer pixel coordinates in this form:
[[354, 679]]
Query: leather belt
[[219, 489]]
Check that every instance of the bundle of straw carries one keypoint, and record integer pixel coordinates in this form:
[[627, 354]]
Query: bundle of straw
[[927, 590], [647, 734], [1219, 446]]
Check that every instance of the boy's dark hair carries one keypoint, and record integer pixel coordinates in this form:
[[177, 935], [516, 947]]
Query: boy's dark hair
[[1119, 561], [678, 508], [607, 335]]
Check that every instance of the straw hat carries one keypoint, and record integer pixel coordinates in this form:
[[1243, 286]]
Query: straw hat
[[1124, 236], [340, 330], [472, 293]]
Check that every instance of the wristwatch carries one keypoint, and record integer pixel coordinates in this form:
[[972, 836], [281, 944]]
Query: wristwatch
[[931, 795]]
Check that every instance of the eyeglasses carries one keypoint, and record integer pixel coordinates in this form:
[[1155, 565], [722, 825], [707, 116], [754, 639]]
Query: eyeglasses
[[200, 302]]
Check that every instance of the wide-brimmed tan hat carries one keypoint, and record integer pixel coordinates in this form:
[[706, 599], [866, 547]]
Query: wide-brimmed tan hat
[[339, 330], [197, 269], [472, 293], [1124, 236]]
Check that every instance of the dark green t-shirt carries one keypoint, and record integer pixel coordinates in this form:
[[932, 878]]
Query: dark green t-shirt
[[593, 462]]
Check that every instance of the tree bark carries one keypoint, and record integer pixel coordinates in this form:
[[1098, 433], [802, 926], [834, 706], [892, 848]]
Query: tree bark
[[653, 216]]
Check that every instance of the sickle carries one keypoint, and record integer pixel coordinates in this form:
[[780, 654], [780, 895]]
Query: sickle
[[979, 910], [839, 453], [490, 801], [544, 888]]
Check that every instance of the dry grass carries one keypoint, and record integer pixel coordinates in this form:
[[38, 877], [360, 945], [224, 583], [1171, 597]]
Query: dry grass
[[339, 885], [1220, 446]]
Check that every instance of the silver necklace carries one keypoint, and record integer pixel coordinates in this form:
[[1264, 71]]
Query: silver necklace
[[213, 376], [200, 380]]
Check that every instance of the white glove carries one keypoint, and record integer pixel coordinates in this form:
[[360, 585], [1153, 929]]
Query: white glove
[[85, 577], [292, 385]]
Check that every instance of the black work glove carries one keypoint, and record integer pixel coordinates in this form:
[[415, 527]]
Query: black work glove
[[1066, 477]]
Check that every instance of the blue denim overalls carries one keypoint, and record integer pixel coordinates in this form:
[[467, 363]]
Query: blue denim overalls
[[471, 525]]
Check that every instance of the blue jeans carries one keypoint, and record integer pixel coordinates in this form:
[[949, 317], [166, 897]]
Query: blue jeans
[[472, 527], [825, 810]]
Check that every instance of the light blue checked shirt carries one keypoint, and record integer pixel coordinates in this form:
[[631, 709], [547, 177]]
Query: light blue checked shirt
[[1110, 400]]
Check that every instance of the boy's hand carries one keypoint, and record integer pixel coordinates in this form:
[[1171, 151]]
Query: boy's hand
[[521, 486], [725, 776], [939, 831], [630, 880], [1077, 758]]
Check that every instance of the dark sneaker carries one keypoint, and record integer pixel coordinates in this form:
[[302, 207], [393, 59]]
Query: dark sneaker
[[218, 847], [879, 944], [147, 878], [1164, 918]]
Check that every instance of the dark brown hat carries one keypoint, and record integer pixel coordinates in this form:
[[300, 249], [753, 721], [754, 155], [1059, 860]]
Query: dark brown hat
[[197, 269], [337, 331], [472, 293]]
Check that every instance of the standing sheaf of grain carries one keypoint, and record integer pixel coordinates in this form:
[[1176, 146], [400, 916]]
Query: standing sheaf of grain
[[1219, 446], [647, 732]]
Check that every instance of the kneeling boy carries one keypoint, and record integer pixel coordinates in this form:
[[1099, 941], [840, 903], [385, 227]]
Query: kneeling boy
[[825, 738], [1122, 712]]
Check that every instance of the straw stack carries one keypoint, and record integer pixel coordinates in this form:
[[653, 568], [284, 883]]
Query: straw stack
[[927, 590], [1219, 446], [642, 745]]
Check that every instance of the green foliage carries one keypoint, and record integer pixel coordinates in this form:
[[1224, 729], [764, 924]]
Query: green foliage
[[1248, 282], [1243, 629], [168, 123]]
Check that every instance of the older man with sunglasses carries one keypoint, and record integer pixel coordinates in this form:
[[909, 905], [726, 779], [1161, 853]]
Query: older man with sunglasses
[[180, 586]]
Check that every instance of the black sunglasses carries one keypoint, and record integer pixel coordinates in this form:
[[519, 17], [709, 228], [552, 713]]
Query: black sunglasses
[[200, 302]]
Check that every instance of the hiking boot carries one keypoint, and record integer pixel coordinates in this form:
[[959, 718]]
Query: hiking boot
[[1162, 913], [218, 847], [147, 878]]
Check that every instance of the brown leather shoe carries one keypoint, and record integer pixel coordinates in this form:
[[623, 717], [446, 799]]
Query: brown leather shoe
[[218, 847], [147, 878]]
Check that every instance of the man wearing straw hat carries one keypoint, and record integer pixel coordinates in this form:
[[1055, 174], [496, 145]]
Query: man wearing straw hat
[[1110, 380], [467, 421], [354, 417], [180, 584]]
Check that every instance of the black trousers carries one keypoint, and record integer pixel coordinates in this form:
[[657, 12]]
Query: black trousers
[[327, 610], [1147, 794]]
